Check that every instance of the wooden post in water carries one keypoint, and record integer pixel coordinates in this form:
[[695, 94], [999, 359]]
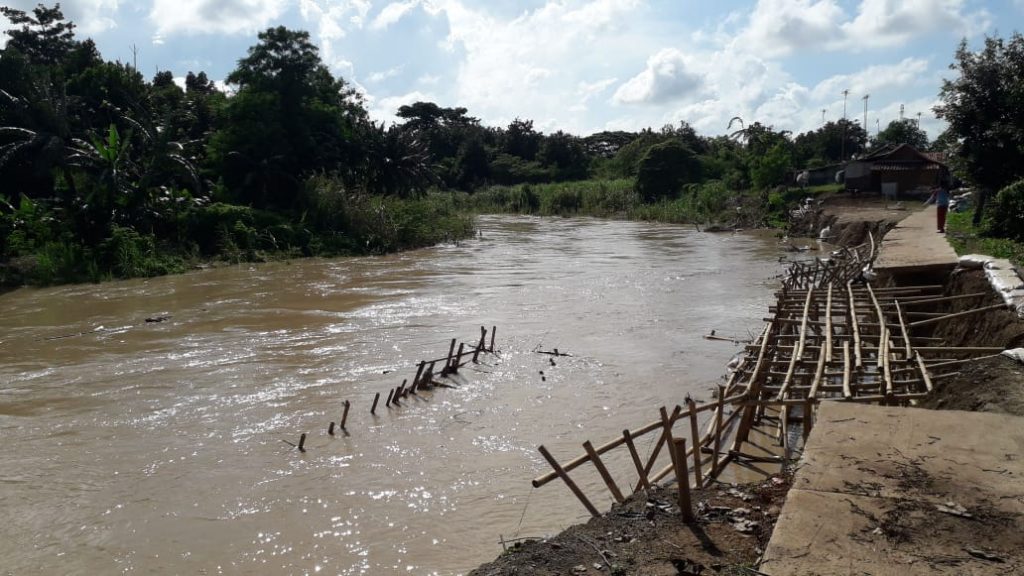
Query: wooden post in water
[[344, 415], [391, 395], [419, 372], [373, 409], [402, 390], [451, 351], [568, 481], [494, 330], [302, 442], [718, 430], [458, 359], [683, 478], [330, 429], [480, 346]]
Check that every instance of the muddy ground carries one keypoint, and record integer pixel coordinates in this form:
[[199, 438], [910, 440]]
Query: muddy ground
[[646, 536]]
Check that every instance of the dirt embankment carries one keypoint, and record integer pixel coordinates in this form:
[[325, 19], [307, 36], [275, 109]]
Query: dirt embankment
[[849, 219], [646, 535], [993, 384]]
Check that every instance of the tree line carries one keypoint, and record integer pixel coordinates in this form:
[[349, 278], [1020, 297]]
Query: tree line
[[107, 173]]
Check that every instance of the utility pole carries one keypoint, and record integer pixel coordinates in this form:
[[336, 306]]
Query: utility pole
[[135, 57], [901, 112], [918, 120], [878, 127], [865, 99], [842, 146], [823, 116]]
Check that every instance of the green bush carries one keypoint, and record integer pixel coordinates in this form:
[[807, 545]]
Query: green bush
[[1006, 214], [663, 170]]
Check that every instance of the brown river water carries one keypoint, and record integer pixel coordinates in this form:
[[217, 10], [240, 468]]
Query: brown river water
[[139, 447]]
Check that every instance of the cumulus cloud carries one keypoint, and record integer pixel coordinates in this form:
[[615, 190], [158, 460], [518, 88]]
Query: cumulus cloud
[[333, 20], [873, 78], [90, 16], [383, 75], [779, 28], [666, 78], [213, 16], [392, 13], [384, 109]]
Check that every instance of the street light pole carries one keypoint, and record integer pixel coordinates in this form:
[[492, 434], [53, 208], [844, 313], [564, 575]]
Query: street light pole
[[842, 146]]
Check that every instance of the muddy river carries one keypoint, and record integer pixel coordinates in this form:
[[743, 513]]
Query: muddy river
[[159, 447]]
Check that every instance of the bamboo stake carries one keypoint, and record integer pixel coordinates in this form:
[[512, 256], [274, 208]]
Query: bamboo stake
[[915, 302], [754, 388], [718, 429], [448, 364], [924, 373], [662, 439], [695, 439], [603, 471], [480, 346], [798, 353], [828, 325], [419, 373], [903, 330], [494, 330], [846, 370], [859, 359], [373, 409], [568, 481], [344, 415], [683, 479], [391, 393], [636, 460], [887, 373], [957, 315]]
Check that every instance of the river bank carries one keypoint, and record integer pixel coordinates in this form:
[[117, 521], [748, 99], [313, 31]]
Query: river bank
[[994, 384]]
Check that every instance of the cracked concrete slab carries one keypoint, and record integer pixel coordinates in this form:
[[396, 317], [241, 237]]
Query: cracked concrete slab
[[885, 490]]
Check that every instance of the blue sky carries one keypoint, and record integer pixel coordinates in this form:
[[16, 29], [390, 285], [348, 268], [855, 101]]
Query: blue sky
[[584, 66]]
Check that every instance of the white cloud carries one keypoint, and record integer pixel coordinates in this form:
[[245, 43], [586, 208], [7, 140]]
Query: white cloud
[[887, 23], [531, 65], [587, 90], [873, 79], [667, 77], [778, 28], [214, 16], [383, 75], [89, 16], [392, 13], [333, 20], [428, 80], [384, 109]]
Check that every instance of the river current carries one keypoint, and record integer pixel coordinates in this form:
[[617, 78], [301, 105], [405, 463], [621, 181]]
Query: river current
[[159, 447]]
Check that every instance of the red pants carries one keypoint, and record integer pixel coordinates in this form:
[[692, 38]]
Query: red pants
[[940, 214]]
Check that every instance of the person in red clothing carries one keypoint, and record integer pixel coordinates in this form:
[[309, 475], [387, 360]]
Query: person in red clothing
[[940, 196]]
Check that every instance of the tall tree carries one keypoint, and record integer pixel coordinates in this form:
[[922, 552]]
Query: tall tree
[[43, 36], [905, 131], [289, 119], [983, 108]]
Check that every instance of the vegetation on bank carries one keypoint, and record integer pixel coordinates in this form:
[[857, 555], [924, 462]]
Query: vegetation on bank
[[107, 174]]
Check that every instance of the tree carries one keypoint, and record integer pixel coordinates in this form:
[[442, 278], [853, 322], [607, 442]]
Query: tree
[[905, 131], [772, 168], [982, 106], [289, 119], [832, 143], [664, 169], [520, 139], [398, 164], [44, 37], [565, 153]]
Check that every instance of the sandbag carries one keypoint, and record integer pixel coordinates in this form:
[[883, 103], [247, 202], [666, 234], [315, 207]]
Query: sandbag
[[973, 261]]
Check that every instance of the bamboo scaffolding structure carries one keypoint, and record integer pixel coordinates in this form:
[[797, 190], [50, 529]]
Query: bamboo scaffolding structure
[[691, 408], [628, 439], [847, 393], [903, 331], [858, 357], [957, 315]]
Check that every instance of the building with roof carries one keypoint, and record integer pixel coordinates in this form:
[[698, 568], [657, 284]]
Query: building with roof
[[895, 170]]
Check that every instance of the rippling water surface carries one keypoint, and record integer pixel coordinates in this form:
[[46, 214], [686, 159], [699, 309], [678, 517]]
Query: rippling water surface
[[157, 447]]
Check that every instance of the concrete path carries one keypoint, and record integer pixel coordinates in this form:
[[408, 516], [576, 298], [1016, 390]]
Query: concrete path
[[902, 492], [915, 246]]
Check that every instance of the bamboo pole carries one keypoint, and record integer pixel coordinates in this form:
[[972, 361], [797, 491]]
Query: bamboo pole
[[373, 409], [886, 371], [694, 440], [818, 373], [683, 479], [828, 325], [636, 460], [915, 302], [448, 364], [603, 471], [344, 415], [846, 370], [858, 357], [798, 353], [754, 388], [956, 315], [924, 373], [494, 330], [419, 373], [718, 429], [561, 473], [903, 330], [391, 393]]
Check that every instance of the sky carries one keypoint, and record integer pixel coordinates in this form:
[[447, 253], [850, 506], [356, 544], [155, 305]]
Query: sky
[[583, 66]]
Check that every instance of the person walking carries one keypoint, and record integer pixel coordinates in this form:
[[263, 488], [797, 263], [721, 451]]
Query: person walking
[[940, 197]]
